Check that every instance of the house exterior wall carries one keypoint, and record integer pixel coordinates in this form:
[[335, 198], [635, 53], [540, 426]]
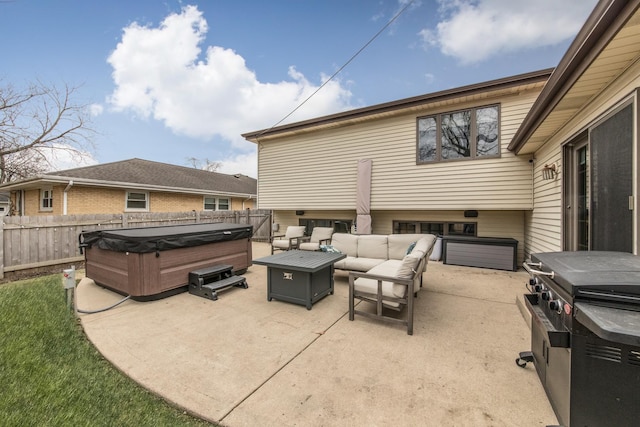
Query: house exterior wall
[[96, 200], [318, 170], [508, 224], [544, 224]]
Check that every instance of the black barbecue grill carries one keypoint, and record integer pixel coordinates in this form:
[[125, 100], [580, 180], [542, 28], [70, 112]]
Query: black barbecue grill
[[585, 335]]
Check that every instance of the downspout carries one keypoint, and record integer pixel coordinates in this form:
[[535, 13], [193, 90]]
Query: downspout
[[249, 198], [64, 199]]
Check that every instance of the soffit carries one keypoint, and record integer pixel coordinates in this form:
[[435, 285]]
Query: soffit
[[620, 53]]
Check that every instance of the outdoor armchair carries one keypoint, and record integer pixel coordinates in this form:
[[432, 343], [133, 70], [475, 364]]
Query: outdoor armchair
[[319, 236], [289, 240]]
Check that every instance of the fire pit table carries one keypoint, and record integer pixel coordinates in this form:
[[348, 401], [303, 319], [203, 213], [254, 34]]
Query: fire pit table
[[300, 277]]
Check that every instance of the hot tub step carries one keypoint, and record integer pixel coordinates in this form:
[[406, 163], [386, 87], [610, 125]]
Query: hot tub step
[[210, 290]]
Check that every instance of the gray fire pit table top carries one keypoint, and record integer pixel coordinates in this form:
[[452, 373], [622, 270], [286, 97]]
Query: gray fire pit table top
[[308, 261]]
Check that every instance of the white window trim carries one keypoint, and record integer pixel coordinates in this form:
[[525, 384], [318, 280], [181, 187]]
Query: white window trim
[[228, 199], [126, 201], [42, 191], [216, 202]]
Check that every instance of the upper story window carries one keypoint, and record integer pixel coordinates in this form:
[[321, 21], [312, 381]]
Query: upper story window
[[46, 199], [137, 201], [216, 204], [466, 134]]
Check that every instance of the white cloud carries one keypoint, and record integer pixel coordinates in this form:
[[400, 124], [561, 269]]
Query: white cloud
[[246, 164], [62, 157], [475, 30], [161, 73], [95, 110]]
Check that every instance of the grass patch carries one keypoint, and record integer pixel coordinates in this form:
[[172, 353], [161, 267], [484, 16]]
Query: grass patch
[[50, 374]]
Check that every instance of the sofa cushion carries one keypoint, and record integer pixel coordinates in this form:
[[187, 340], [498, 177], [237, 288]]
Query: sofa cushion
[[309, 246], [399, 243], [345, 243], [389, 289], [408, 266], [363, 264], [426, 243], [373, 246]]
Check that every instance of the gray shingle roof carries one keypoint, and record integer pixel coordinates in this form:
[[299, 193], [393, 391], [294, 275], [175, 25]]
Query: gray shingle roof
[[138, 171]]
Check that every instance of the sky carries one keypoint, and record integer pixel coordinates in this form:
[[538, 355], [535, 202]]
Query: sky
[[170, 81]]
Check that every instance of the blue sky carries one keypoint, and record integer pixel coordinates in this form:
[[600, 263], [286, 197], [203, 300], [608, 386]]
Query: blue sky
[[172, 80]]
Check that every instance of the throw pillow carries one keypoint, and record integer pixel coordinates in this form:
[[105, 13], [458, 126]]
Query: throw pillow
[[329, 248], [408, 267], [410, 248]]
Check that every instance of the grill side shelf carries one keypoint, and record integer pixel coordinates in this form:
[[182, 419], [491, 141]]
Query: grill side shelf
[[611, 324], [556, 337]]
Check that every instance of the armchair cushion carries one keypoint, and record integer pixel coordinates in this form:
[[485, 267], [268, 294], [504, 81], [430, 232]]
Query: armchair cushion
[[320, 236], [290, 238]]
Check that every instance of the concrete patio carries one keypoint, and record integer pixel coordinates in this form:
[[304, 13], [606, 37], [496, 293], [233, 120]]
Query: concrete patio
[[244, 361]]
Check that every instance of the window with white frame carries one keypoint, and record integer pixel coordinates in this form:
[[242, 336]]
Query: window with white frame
[[46, 199], [223, 204], [216, 204], [137, 201]]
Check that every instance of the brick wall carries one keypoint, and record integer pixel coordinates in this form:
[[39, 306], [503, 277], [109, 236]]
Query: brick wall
[[92, 200]]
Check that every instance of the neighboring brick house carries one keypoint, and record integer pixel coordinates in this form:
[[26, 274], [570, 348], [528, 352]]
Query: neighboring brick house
[[133, 185]]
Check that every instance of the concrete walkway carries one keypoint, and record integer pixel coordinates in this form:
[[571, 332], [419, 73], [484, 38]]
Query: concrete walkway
[[244, 361]]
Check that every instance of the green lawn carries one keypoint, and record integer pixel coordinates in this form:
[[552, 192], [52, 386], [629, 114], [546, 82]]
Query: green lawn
[[51, 375]]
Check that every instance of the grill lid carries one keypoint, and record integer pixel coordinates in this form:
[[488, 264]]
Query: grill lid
[[594, 274]]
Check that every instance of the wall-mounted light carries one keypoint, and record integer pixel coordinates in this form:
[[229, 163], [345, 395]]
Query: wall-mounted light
[[299, 213], [549, 172]]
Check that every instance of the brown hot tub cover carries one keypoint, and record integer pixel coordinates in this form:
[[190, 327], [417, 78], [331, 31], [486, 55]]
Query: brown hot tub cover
[[154, 239]]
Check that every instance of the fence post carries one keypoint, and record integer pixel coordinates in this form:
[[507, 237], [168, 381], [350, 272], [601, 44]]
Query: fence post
[[124, 220]]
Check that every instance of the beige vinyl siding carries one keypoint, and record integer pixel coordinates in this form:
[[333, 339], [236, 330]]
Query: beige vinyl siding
[[317, 170], [544, 224], [508, 224]]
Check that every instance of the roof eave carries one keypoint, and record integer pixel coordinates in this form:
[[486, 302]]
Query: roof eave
[[607, 18], [401, 104], [57, 179]]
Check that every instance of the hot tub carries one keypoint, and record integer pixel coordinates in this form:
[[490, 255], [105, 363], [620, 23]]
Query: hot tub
[[154, 262]]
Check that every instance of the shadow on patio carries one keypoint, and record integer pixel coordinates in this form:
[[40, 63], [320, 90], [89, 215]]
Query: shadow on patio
[[242, 360]]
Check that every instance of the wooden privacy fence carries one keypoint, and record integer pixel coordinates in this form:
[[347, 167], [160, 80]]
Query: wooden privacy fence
[[35, 242]]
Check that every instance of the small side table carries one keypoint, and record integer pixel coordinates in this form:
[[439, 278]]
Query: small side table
[[300, 277]]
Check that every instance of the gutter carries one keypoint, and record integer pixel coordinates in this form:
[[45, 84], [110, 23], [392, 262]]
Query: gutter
[[249, 197], [59, 179]]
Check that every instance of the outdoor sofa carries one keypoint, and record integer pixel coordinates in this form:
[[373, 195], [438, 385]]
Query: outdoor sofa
[[385, 270]]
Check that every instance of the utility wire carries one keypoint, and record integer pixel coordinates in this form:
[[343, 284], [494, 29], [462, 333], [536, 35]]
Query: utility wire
[[391, 21]]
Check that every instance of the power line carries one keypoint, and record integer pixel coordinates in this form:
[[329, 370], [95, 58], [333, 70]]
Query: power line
[[340, 69]]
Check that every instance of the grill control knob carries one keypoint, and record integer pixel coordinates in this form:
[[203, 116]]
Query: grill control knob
[[538, 287], [556, 305], [546, 295]]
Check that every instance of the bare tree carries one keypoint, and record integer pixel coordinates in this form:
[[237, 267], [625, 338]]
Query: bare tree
[[37, 122], [206, 165]]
